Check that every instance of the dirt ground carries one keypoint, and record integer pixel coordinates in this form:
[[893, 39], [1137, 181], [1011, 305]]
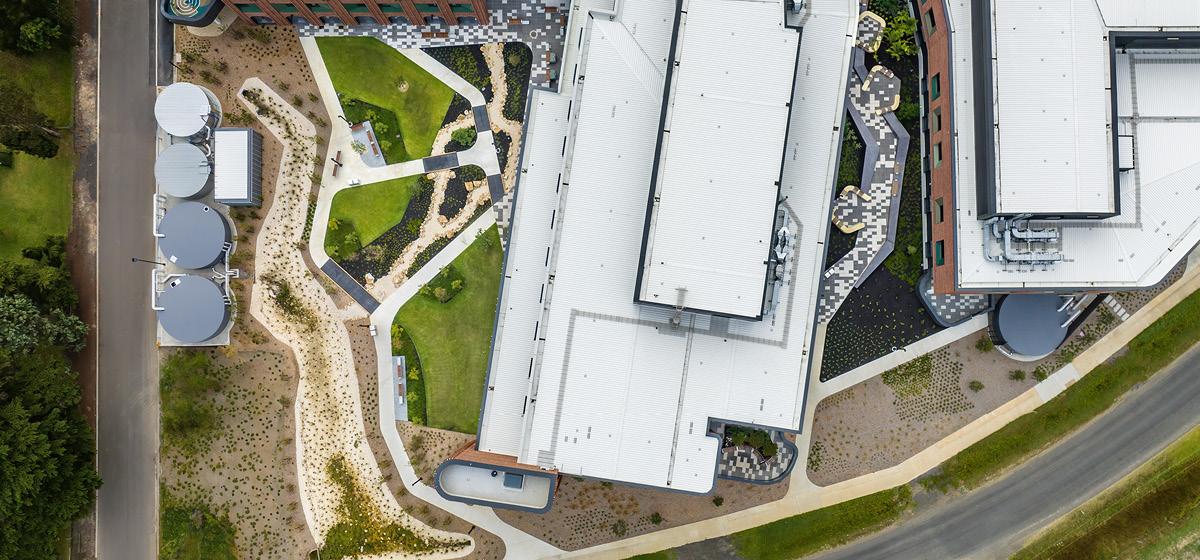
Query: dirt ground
[[588, 512], [869, 427], [435, 446], [249, 470]]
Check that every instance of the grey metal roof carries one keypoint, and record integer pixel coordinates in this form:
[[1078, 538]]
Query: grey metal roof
[[1030, 323], [183, 109], [194, 235], [193, 309], [183, 171]]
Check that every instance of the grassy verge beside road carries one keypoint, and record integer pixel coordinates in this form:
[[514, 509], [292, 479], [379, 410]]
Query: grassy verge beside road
[[366, 69], [453, 338], [36, 196], [48, 76], [1150, 514], [193, 531], [1149, 352], [824, 528]]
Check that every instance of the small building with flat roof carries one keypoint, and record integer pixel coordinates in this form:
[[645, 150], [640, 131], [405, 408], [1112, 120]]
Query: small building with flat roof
[[237, 167]]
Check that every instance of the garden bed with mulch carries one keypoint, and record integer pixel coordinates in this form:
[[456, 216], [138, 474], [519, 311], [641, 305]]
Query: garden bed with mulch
[[376, 257], [467, 61]]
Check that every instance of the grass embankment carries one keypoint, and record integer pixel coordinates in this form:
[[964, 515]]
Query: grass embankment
[[359, 215], [453, 338], [36, 192], [824, 528], [193, 531], [366, 69], [361, 528], [1150, 351], [1153, 513]]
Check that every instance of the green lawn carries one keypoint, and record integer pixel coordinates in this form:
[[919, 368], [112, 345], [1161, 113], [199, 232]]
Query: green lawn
[[48, 77], [368, 211], [366, 69], [36, 197], [1151, 514], [824, 528], [453, 338], [1150, 351]]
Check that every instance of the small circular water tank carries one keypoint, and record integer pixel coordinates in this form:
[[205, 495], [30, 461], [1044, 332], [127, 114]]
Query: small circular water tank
[[183, 171], [193, 235], [184, 109], [1031, 324], [193, 309]]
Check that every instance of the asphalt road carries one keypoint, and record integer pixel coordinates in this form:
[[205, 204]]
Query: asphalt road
[[992, 522], [127, 388]]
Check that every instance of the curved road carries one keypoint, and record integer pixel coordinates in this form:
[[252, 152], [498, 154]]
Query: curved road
[[993, 521]]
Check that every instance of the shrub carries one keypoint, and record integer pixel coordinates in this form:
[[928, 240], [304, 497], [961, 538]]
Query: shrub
[[985, 344], [1017, 375], [6, 158], [718, 501], [464, 136], [470, 173], [911, 378], [620, 527], [975, 385], [1040, 373], [656, 518]]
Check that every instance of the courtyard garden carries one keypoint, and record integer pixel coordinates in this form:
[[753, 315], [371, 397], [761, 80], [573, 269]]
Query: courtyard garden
[[359, 215], [447, 328], [375, 80], [885, 312]]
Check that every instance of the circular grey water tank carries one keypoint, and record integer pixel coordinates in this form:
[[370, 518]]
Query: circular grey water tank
[[193, 235], [193, 309], [184, 109], [1030, 323], [183, 171]]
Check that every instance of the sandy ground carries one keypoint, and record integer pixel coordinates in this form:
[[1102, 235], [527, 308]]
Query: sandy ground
[[435, 444], [868, 427], [587, 512], [493, 53]]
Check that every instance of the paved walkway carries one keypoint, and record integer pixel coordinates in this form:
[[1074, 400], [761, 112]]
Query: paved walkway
[[948, 310], [352, 172], [745, 464], [537, 24], [871, 208], [804, 496], [514, 540]]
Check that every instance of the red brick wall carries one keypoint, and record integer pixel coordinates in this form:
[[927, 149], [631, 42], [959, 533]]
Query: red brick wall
[[941, 177]]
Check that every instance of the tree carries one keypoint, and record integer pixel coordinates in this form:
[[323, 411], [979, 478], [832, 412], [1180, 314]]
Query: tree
[[22, 126], [899, 34], [464, 136], [17, 14], [39, 34], [46, 474]]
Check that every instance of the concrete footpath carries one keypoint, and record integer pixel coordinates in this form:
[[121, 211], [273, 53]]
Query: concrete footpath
[[804, 496]]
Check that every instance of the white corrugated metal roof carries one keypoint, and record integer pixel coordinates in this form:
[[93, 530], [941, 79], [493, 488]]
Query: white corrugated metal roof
[[1160, 202], [722, 149], [1053, 149], [231, 164], [617, 393], [1150, 13], [503, 423]]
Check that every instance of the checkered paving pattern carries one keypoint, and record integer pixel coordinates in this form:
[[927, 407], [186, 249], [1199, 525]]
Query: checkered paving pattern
[[871, 98], [526, 21], [951, 309], [744, 463], [870, 31], [504, 211]]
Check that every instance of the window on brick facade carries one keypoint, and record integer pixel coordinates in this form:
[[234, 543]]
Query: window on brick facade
[[939, 253], [937, 155], [939, 210], [930, 24], [935, 87], [935, 122]]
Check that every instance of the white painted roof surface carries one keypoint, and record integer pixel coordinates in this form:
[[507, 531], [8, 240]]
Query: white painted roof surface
[[182, 109], [617, 393], [717, 185], [1150, 13], [231, 164], [525, 273], [1054, 152], [1159, 221]]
